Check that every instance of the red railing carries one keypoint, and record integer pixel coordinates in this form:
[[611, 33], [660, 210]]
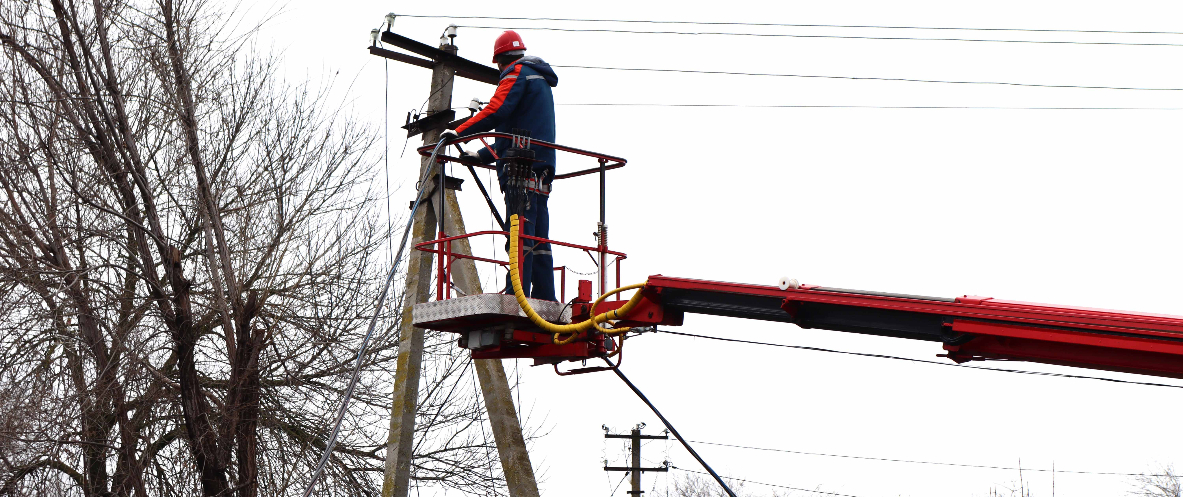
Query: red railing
[[607, 162], [443, 246], [443, 249]]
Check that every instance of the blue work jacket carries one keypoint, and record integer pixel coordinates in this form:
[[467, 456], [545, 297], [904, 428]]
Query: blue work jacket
[[522, 101]]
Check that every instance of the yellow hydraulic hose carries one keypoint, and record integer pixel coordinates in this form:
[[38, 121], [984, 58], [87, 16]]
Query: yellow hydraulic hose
[[573, 328], [609, 315], [616, 314]]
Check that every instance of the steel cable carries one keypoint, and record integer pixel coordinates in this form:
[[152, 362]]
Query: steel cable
[[329, 446], [842, 37], [671, 428], [916, 360], [786, 25], [994, 467], [794, 106], [861, 78]]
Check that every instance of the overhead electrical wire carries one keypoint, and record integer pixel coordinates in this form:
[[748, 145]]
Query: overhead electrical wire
[[841, 37], [671, 428], [860, 78], [765, 24], [807, 106], [768, 484], [916, 360], [994, 467], [624, 476]]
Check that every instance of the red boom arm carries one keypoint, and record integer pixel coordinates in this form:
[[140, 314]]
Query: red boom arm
[[969, 327]]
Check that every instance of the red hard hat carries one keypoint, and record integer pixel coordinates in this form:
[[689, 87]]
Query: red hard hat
[[508, 41]]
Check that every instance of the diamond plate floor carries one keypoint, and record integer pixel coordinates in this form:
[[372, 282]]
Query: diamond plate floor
[[483, 311]]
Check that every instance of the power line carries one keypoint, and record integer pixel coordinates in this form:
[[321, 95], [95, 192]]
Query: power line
[[995, 467], [724, 23], [916, 360], [768, 484], [861, 78], [671, 428], [841, 37], [615, 491], [797, 106]]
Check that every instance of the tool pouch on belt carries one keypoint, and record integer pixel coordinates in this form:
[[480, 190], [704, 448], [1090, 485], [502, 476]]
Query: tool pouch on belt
[[521, 177], [518, 172]]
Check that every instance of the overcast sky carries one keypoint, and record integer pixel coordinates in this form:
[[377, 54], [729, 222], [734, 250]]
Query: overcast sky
[[1076, 207]]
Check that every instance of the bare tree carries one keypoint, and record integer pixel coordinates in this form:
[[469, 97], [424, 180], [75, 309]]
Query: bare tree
[[1020, 487], [689, 484], [1163, 482], [189, 252]]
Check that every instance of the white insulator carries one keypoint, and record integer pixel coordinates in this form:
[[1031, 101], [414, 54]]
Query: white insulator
[[788, 283]]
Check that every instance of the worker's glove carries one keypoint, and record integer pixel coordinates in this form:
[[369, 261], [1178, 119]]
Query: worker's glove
[[471, 156], [449, 135]]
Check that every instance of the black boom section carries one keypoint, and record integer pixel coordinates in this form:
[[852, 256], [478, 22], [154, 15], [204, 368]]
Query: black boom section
[[726, 304], [890, 323], [842, 318]]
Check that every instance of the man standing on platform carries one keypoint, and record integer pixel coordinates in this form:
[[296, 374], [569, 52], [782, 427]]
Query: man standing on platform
[[522, 104]]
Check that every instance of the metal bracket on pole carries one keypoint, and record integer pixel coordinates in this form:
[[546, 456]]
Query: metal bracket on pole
[[464, 68], [451, 183], [432, 122], [440, 121]]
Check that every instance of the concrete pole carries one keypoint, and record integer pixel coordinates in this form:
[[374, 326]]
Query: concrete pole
[[496, 391], [508, 435], [397, 468]]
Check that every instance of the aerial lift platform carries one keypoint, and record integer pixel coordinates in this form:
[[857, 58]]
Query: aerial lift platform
[[968, 328]]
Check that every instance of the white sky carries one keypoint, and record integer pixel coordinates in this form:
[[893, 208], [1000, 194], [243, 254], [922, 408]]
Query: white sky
[[1068, 207]]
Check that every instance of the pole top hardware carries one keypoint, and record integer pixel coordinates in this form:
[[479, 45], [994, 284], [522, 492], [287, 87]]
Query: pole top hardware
[[464, 68]]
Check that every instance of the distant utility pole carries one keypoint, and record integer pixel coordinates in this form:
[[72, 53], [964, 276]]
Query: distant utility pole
[[636, 469], [504, 422]]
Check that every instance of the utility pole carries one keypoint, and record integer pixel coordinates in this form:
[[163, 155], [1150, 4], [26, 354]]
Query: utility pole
[[504, 422], [397, 468], [636, 469]]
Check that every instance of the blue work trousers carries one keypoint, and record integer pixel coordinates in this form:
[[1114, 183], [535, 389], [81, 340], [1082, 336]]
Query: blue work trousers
[[536, 257]]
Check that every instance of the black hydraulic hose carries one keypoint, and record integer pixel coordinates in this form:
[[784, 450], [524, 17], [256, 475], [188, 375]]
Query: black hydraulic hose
[[333, 439], [493, 210], [672, 429]]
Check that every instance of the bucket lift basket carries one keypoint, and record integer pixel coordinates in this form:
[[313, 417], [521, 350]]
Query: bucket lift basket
[[493, 325]]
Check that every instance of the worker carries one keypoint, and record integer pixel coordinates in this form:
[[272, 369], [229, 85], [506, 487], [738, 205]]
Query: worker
[[522, 104]]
